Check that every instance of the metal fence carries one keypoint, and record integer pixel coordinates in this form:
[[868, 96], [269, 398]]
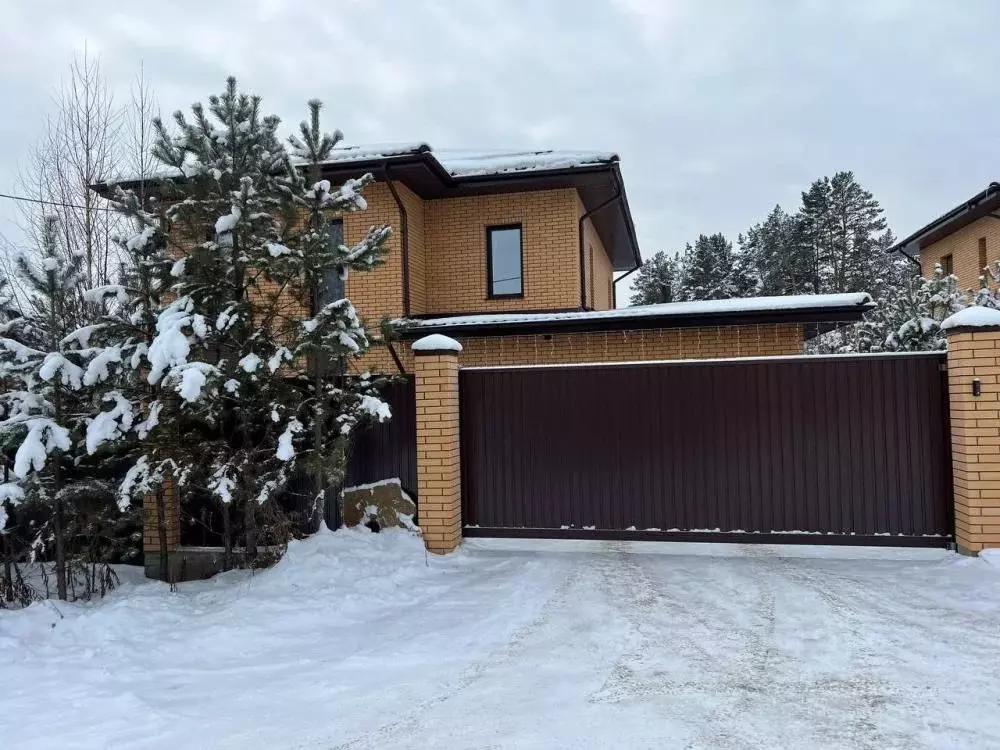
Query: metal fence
[[855, 449]]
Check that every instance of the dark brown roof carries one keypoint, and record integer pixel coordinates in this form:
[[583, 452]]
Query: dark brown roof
[[979, 205], [817, 313], [450, 174]]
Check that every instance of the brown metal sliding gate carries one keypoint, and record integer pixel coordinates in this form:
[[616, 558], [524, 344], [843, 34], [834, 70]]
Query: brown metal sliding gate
[[804, 449]]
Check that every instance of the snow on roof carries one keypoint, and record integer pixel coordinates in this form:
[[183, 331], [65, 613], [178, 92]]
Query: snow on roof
[[664, 310], [474, 163], [373, 151], [465, 163], [973, 317], [436, 342], [458, 163]]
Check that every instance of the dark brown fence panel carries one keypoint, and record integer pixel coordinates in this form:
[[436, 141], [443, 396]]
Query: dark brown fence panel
[[849, 447], [389, 449]]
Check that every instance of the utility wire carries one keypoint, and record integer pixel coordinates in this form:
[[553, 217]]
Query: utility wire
[[56, 203]]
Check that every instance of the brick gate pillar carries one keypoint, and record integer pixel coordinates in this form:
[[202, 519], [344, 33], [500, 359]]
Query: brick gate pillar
[[974, 395], [439, 481], [151, 527]]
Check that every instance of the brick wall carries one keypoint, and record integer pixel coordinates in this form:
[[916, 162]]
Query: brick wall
[[171, 517], [377, 293], [597, 265], [438, 451], [417, 247], [975, 437], [765, 340], [447, 254], [456, 251], [963, 246]]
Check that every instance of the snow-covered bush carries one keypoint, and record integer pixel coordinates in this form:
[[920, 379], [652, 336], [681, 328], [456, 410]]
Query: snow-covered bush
[[905, 319]]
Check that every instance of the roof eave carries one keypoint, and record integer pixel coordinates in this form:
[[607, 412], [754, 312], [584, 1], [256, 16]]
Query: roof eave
[[979, 205], [629, 224]]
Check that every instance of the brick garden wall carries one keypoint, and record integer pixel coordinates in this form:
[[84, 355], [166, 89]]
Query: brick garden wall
[[764, 340]]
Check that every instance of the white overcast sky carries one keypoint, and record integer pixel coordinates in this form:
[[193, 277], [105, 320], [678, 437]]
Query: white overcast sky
[[718, 108]]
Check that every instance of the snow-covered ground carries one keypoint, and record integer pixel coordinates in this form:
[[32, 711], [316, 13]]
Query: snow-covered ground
[[356, 640]]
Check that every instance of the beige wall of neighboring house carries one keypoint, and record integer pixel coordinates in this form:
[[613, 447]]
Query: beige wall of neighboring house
[[964, 248]]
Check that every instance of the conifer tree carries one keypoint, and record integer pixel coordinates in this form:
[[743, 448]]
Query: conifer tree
[[41, 410], [711, 270], [657, 280], [774, 250], [248, 356], [844, 238]]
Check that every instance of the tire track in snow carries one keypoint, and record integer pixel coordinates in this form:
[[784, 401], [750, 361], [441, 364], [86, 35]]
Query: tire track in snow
[[867, 694], [916, 601], [646, 608], [410, 720]]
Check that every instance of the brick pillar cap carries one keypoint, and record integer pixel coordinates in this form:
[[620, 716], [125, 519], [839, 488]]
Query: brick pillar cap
[[975, 318], [436, 343]]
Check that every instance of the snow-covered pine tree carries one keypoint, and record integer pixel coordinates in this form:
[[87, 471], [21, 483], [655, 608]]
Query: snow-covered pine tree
[[908, 320], [249, 317], [913, 319], [844, 232], [711, 270], [780, 261], [657, 280], [41, 409], [120, 431], [986, 295]]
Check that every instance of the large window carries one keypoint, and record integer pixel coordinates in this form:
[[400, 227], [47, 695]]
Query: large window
[[503, 261], [334, 287]]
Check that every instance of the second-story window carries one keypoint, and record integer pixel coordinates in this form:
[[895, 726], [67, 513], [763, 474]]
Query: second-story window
[[947, 264], [333, 289], [503, 261], [982, 254]]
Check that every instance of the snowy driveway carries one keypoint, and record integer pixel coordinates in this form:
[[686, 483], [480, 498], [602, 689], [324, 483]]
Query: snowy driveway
[[353, 642]]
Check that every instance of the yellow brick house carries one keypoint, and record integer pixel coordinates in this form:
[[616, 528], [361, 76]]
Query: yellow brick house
[[511, 259], [515, 254]]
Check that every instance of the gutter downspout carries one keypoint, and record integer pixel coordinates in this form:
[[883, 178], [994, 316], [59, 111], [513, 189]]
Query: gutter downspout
[[587, 215], [909, 257], [404, 241], [614, 285], [395, 358]]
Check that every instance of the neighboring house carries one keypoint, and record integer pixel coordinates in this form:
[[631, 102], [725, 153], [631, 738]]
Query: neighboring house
[[964, 241], [514, 253]]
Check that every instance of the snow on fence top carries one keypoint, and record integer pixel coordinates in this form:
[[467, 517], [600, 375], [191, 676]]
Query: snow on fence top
[[436, 342], [973, 317], [817, 302]]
